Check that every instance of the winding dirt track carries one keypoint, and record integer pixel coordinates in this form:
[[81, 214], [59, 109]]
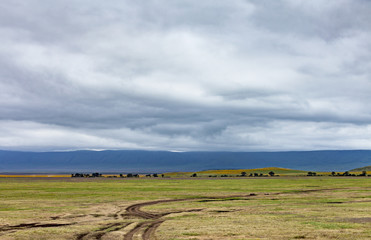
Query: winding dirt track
[[102, 231], [146, 228], [149, 227], [150, 231], [135, 209]]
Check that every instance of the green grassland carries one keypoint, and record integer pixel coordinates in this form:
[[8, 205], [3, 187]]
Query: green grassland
[[265, 171], [275, 208]]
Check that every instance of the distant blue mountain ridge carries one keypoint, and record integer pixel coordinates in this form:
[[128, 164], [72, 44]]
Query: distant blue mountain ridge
[[124, 161]]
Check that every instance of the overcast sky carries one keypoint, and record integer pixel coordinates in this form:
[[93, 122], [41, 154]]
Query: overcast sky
[[185, 75]]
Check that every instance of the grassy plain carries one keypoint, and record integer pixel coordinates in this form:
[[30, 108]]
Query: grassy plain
[[218, 208], [264, 171]]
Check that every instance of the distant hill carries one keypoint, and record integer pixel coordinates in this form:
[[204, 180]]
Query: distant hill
[[367, 168], [163, 161]]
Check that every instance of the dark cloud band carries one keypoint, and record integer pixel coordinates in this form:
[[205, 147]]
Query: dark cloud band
[[217, 75]]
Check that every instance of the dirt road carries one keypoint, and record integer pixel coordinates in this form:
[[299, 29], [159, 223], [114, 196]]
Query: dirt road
[[130, 222]]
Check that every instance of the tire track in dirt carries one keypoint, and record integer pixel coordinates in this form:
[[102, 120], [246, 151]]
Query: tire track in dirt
[[102, 231], [149, 227], [135, 209], [140, 226], [149, 233], [32, 225], [23, 226]]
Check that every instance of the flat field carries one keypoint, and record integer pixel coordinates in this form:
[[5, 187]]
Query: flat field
[[180, 209]]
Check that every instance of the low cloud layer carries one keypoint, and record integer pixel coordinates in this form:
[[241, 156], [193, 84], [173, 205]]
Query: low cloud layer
[[185, 75]]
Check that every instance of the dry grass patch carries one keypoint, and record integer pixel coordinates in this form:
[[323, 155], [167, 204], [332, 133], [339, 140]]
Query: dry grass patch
[[280, 208]]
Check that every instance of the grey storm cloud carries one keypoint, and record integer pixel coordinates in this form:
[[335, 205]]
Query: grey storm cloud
[[185, 75]]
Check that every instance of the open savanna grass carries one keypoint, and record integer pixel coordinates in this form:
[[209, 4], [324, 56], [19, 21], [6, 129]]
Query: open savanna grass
[[242, 208]]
